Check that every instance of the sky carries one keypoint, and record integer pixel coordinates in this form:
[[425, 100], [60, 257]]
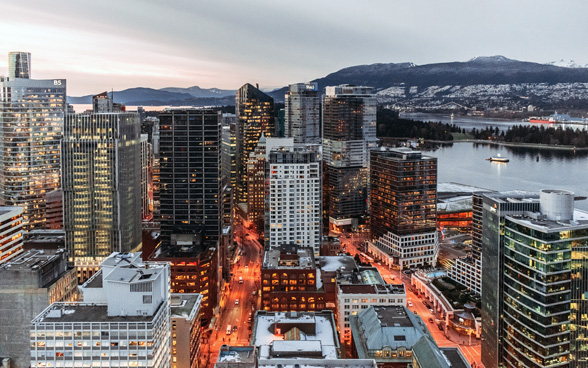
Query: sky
[[106, 44]]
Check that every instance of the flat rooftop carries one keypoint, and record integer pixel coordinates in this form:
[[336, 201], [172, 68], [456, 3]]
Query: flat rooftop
[[33, 259], [300, 334], [579, 221], [334, 263], [182, 305], [81, 312], [237, 354], [289, 257], [454, 357]]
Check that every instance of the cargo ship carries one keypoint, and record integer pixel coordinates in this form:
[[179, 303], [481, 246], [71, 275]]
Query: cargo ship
[[557, 119]]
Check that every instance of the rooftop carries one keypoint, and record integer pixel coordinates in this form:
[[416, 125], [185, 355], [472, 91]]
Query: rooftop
[[33, 260], [295, 334], [236, 354], [289, 256], [539, 222], [84, 312], [185, 305], [375, 328], [334, 263], [426, 352], [316, 363]]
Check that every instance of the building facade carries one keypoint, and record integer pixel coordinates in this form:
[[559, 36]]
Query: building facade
[[54, 210], [189, 176], [123, 321], [349, 133], [255, 114], [302, 113], [11, 233], [31, 125], [403, 202], [293, 203], [146, 179], [28, 284], [101, 187], [256, 185], [186, 331]]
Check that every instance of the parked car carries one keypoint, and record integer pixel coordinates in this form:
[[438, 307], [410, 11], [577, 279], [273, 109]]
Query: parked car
[[237, 302], [432, 311], [235, 328], [430, 319], [410, 304], [440, 327]]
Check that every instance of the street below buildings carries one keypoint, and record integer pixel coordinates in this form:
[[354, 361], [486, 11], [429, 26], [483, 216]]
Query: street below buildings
[[469, 348], [239, 299]]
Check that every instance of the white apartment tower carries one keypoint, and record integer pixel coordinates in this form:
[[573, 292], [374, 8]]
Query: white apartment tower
[[302, 113], [124, 320], [293, 207]]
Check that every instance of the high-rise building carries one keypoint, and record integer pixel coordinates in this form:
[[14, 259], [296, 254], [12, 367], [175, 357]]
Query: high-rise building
[[11, 234], [229, 149], [403, 199], [101, 186], [28, 284], [293, 202], [31, 123], [533, 300], [302, 113], [54, 209], [186, 335], [102, 102], [255, 114], [349, 133], [189, 176], [191, 202], [146, 178], [19, 65], [124, 320], [256, 189]]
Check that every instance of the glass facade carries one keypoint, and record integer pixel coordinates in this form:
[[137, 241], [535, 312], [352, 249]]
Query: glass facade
[[302, 113], [31, 124], [189, 174], [255, 114], [101, 160]]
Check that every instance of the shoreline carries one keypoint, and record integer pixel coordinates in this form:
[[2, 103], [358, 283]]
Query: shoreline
[[513, 144]]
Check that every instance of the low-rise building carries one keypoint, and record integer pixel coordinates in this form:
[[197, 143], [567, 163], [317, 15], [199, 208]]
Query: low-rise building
[[124, 321], [28, 284], [294, 335], [387, 334], [426, 354], [237, 357], [359, 289], [291, 281]]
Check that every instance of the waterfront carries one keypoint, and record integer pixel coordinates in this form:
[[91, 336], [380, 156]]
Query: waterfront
[[529, 169], [469, 122]]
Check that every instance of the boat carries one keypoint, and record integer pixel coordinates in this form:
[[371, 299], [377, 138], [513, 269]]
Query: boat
[[556, 119], [497, 159]]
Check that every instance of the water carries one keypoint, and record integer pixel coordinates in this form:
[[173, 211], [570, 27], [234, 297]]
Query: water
[[469, 122], [466, 163]]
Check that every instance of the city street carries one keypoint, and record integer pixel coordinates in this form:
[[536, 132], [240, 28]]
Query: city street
[[353, 245], [246, 266]]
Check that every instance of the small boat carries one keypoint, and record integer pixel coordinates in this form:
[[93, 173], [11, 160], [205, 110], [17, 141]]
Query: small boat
[[497, 159]]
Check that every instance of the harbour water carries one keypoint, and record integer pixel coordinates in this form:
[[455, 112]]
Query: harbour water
[[528, 169]]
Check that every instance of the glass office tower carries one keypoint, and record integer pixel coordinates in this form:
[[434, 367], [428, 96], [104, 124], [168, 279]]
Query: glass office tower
[[31, 123], [101, 158], [302, 113]]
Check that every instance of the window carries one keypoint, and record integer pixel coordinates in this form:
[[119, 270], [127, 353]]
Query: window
[[147, 299]]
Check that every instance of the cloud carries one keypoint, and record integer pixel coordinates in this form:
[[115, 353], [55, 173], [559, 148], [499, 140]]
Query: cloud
[[227, 43]]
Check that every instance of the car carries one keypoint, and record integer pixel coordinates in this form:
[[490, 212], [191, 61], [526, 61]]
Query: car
[[432, 311], [431, 320], [246, 266], [236, 301], [229, 330], [415, 312], [410, 304], [235, 328], [254, 292], [440, 327], [240, 279]]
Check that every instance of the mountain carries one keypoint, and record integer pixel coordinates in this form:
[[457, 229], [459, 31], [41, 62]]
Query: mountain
[[567, 64], [484, 82], [164, 96]]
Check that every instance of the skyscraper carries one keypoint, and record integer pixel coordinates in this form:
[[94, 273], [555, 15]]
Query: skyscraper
[[349, 133], [31, 123], [189, 175], [19, 65], [293, 203], [146, 178], [256, 189], [403, 201], [101, 186], [229, 150], [532, 280], [255, 114], [302, 113], [11, 234]]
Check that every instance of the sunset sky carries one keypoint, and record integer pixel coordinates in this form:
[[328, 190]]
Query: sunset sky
[[106, 44]]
